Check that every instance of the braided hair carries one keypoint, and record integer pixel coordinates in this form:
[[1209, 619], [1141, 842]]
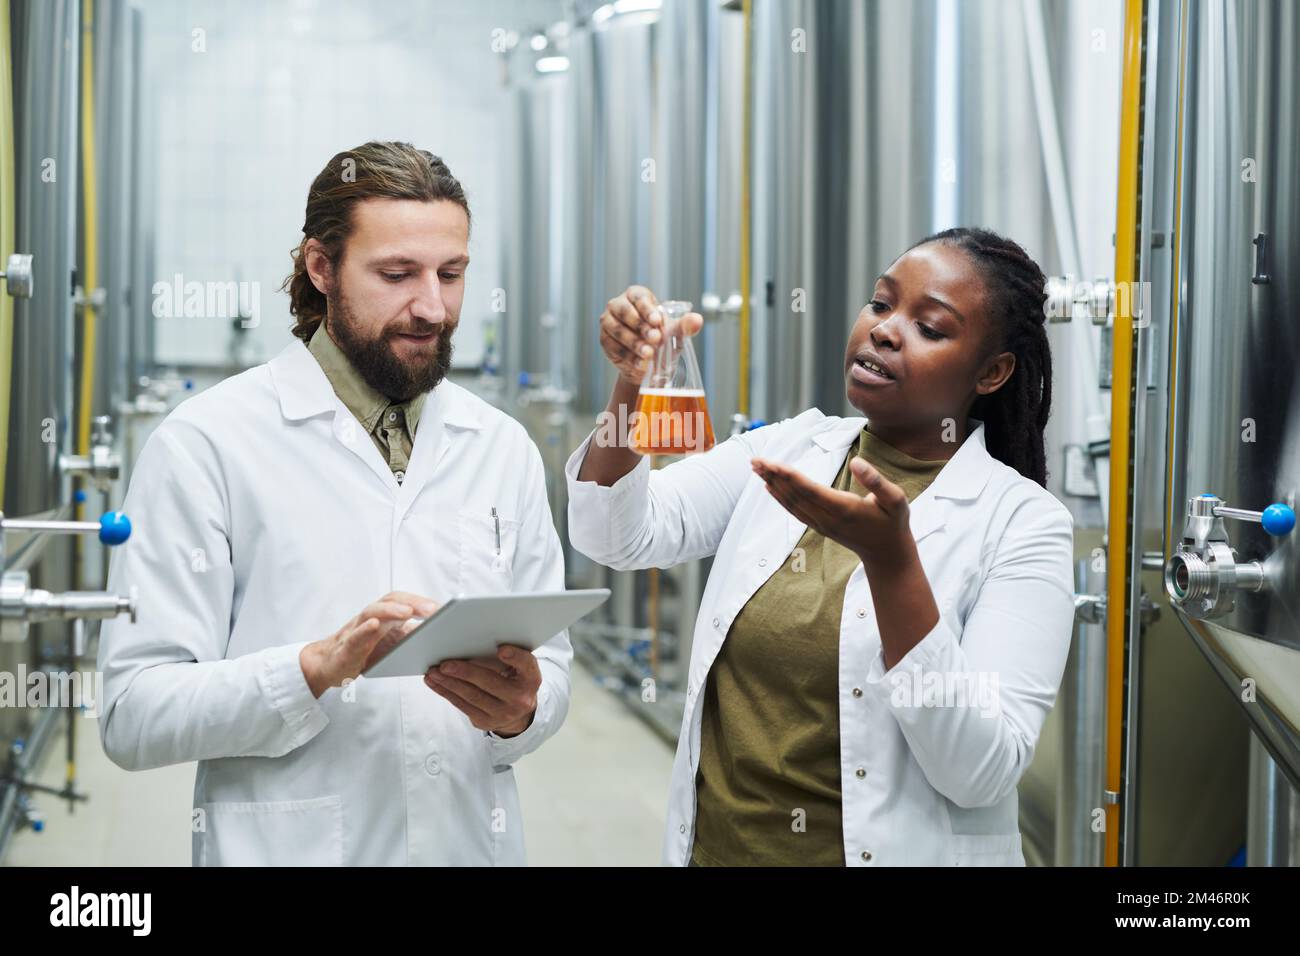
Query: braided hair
[[1014, 416]]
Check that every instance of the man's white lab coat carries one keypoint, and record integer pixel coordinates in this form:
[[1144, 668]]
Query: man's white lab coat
[[265, 518]]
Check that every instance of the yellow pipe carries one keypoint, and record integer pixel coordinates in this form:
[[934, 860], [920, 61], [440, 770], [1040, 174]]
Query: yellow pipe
[[90, 264], [90, 220], [1174, 509], [742, 399], [8, 196], [1121, 419]]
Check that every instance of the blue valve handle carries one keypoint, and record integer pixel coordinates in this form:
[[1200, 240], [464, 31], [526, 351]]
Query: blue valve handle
[[115, 527], [1278, 519]]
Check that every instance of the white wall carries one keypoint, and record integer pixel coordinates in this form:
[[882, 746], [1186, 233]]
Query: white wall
[[243, 127]]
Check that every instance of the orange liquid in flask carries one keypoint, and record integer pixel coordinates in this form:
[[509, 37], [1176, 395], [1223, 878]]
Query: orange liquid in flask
[[672, 421]]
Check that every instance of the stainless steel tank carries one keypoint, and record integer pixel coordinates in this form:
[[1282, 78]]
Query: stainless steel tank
[[1235, 421], [118, 147], [45, 38]]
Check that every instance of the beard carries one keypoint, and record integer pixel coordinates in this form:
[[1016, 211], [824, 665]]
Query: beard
[[378, 363]]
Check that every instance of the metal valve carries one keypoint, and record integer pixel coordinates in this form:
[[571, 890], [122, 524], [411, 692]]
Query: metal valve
[[1203, 574], [20, 603], [103, 465], [18, 275], [1093, 300], [1091, 609], [713, 305], [155, 396]]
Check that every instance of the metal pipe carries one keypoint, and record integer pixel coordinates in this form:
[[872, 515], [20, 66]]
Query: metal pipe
[[746, 250], [1083, 698], [1176, 419], [49, 527], [7, 233], [1272, 812], [25, 556], [652, 620], [21, 766], [1058, 192]]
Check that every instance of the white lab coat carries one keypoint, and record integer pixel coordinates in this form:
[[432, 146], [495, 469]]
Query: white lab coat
[[921, 785], [265, 518]]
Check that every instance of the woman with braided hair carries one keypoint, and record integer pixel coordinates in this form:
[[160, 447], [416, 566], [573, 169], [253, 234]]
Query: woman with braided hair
[[1014, 415], [890, 604]]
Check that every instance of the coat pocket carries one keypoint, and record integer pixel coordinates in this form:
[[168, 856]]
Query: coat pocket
[[276, 833], [487, 551], [992, 849]]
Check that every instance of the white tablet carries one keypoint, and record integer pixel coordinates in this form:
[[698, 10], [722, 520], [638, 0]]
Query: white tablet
[[476, 626]]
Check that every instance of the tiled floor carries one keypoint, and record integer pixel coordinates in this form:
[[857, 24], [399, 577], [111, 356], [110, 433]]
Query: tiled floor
[[594, 794]]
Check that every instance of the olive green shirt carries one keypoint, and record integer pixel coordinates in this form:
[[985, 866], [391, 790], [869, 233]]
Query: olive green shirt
[[768, 787], [390, 425]]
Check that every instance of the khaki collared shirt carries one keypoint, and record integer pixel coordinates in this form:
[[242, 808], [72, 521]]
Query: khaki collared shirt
[[390, 425], [768, 787]]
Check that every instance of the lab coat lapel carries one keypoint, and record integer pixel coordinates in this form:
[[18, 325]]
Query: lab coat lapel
[[821, 462], [962, 478], [448, 418], [305, 392], [350, 434], [927, 514], [428, 448]]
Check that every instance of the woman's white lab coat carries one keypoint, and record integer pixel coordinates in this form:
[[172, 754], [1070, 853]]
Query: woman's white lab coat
[[265, 518], [932, 750]]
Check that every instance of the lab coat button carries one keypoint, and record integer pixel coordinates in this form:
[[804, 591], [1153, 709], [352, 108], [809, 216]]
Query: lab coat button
[[861, 773], [431, 765], [866, 855], [399, 475], [857, 692], [682, 828], [862, 612], [716, 622], [762, 562]]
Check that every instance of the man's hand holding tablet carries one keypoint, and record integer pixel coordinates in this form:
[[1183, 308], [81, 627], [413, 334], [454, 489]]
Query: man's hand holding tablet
[[462, 656], [497, 694]]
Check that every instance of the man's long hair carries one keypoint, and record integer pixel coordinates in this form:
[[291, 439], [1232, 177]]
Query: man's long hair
[[371, 171]]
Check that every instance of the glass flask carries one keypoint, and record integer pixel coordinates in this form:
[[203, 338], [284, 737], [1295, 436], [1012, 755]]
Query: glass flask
[[673, 414]]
